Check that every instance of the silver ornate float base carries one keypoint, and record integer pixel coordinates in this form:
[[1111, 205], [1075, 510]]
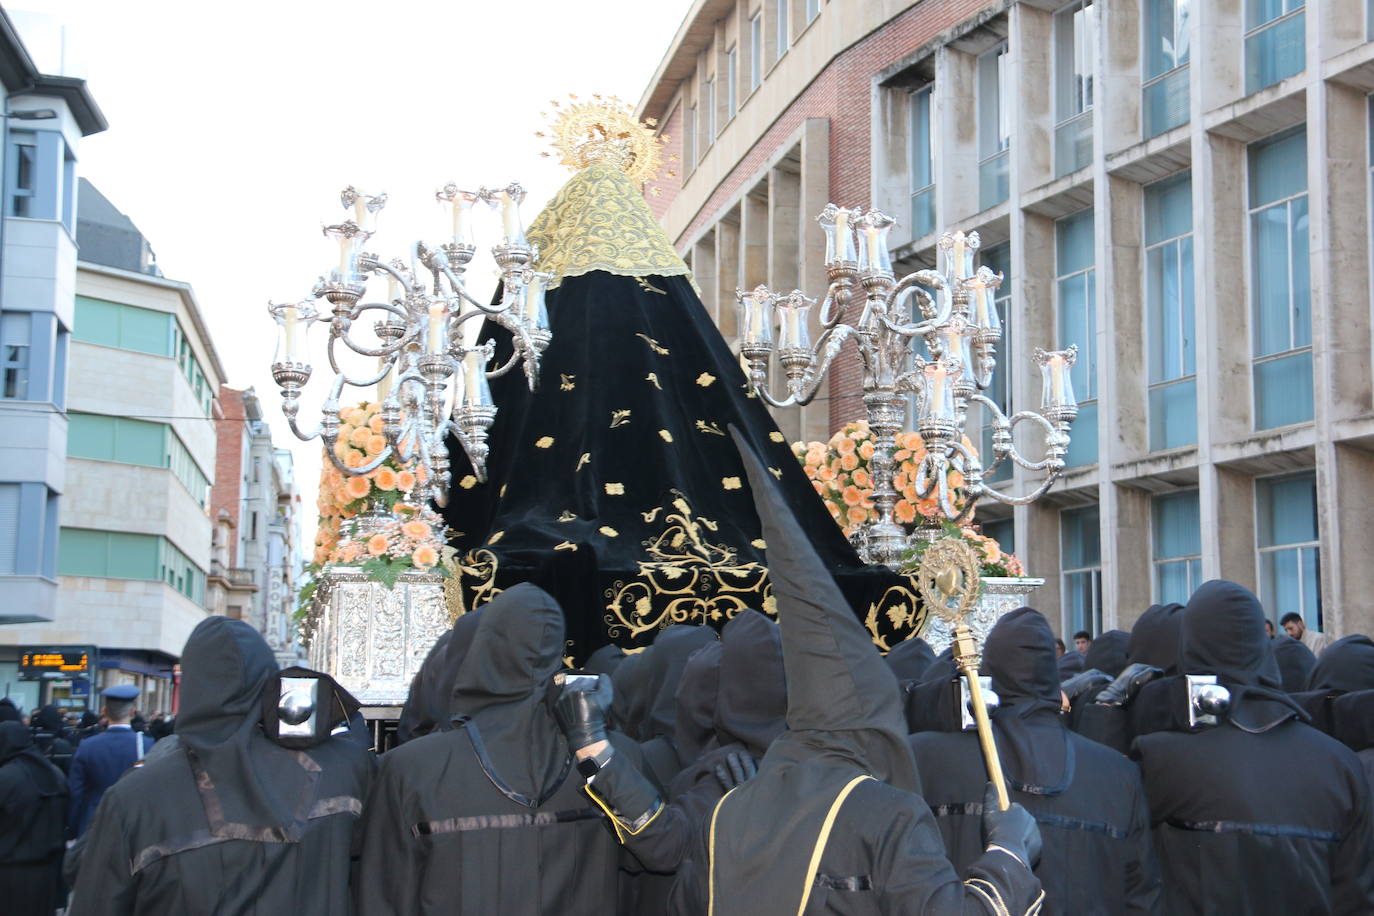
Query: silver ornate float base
[[372, 639], [1000, 595]]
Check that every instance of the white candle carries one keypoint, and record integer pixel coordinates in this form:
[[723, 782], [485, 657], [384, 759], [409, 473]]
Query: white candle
[[289, 319], [436, 328], [393, 289], [345, 258], [956, 260], [874, 260], [459, 221], [473, 372], [534, 293], [1057, 370], [510, 216], [791, 327]]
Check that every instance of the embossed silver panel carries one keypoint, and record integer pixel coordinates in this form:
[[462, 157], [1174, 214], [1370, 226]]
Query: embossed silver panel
[[372, 639], [1000, 595]]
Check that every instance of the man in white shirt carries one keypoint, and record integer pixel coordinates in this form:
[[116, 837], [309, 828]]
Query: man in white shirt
[[1293, 625]]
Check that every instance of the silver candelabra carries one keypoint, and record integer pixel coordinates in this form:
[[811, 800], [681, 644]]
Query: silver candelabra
[[427, 330], [954, 312]]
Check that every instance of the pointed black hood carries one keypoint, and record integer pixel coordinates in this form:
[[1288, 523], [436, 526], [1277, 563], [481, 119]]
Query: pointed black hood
[[1108, 653], [751, 703], [501, 686], [910, 659], [1345, 665], [1295, 662], [697, 695], [1222, 633], [1154, 638], [1033, 745]]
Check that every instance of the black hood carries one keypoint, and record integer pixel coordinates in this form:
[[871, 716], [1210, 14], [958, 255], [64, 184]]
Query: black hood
[[751, 700], [629, 705], [664, 662], [1107, 653], [14, 738], [1069, 664], [50, 719], [1154, 638], [1222, 633], [604, 660], [1034, 746], [1295, 662], [8, 712], [697, 692], [1345, 665], [418, 716], [429, 707], [910, 659], [501, 688], [226, 664]]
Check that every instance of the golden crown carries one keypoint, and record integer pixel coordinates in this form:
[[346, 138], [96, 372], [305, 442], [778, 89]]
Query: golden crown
[[605, 130]]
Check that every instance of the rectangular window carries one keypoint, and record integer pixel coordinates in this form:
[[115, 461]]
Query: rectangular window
[[784, 33], [1280, 288], [1074, 72], [9, 528], [180, 573], [184, 467], [998, 259], [731, 82], [21, 162], [755, 51], [1080, 544], [1077, 300], [128, 327], [1003, 531], [813, 9], [68, 189], [922, 164], [108, 554], [1169, 312], [16, 336], [105, 438], [1164, 79], [708, 114], [1275, 42], [994, 127], [1289, 551], [689, 137], [1177, 530]]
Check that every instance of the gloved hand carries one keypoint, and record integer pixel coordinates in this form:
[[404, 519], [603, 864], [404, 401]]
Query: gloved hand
[[1089, 682], [738, 768], [1127, 684], [581, 711], [1013, 829]]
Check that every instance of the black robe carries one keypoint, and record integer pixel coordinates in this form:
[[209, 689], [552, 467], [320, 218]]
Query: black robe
[[489, 817], [837, 792], [431, 691], [1088, 801], [33, 817], [663, 664], [1295, 662], [226, 821], [1230, 837], [1154, 641]]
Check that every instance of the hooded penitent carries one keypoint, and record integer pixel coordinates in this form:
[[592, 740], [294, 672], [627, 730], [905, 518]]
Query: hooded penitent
[[665, 661], [751, 706], [844, 720], [697, 694], [1108, 653], [1222, 633], [1154, 638], [501, 690], [427, 707], [1295, 662], [604, 660], [1037, 757], [251, 788], [1069, 664], [1346, 665], [910, 658]]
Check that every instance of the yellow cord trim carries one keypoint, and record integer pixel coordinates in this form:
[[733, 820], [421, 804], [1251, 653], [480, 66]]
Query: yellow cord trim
[[711, 858], [620, 829], [814, 865]]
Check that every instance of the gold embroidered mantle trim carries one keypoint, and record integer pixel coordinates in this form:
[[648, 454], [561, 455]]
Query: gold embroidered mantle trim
[[600, 221]]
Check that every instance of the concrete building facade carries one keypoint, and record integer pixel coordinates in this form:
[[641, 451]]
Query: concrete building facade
[[135, 528], [1181, 189]]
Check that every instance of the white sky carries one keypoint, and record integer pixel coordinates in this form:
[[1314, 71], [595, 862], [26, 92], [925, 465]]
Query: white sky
[[233, 127]]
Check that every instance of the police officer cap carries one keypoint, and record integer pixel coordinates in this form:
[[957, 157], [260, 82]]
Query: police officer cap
[[120, 692]]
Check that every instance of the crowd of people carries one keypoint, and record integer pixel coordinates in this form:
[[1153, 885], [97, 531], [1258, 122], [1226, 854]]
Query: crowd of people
[[1192, 765]]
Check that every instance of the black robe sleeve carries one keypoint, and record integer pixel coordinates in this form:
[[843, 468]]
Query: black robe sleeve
[[389, 877], [1142, 893], [106, 884], [1352, 866]]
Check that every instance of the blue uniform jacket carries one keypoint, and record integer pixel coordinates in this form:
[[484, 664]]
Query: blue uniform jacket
[[99, 761]]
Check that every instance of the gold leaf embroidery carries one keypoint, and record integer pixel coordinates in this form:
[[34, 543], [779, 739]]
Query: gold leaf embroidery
[[777, 436], [730, 483], [651, 514], [776, 473], [615, 489], [760, 543], [653, 344], [665, 435], [502, 494], [567, 516], [544, 442], [566, 382], [619, 418], [582, 462], [649, 287], [468, 482], [565, 546], [608, 531], [709, 524], [496, 537], [705, 379], [713, 428], [653, 377]]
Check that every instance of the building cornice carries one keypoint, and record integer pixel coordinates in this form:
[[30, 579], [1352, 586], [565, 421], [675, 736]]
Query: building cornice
[[20, 76]]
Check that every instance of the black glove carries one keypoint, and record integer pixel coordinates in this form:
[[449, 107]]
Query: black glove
[[1089, 682], [1127, 684], [737, 768], [1013, 829], [581, 710]]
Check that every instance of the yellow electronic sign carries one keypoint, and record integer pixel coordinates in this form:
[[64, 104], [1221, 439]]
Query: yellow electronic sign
[[54, 661]]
